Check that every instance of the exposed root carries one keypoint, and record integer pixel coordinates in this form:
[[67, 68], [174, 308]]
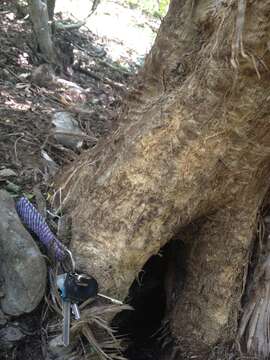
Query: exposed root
[[254, 329], [237, 44]]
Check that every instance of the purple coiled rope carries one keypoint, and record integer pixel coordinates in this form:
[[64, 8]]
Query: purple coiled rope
[[35, 222]]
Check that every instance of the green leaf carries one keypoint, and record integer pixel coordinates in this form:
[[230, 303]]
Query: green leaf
[[29, 196]]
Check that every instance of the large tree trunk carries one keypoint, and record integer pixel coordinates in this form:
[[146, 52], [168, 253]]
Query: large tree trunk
[[193, 144]]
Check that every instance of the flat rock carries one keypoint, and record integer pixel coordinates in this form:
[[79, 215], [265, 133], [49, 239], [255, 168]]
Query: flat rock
[[43, 76], [5, 173], [9, 336], [22, 266], [67, 130]]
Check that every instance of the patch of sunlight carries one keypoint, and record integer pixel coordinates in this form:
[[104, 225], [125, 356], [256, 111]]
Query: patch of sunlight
[[10, 16], [23, 60], [11, 103], [125, 32]]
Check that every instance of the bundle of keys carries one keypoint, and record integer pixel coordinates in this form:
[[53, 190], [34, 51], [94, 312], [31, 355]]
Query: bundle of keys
[[74, 288]]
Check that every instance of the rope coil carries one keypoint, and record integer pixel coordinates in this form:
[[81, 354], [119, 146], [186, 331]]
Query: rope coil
[[35, 222]]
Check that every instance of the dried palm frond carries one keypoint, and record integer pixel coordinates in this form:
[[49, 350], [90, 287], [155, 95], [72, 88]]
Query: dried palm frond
[[94, 326], [254, 327], [100, 339]]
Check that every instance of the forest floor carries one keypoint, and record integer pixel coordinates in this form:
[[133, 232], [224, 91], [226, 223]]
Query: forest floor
[[107, 64], [106, 53]]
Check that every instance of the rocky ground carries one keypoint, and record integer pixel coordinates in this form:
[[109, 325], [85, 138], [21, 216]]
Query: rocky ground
[[39, 111]]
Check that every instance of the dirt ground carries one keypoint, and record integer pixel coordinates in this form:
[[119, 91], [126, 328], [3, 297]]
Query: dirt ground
[[26, 108], [102, 66]]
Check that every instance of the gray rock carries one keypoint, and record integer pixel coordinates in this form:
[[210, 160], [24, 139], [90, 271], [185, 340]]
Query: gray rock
[[43, 76], [9, 336], [50, 165], [67, 131], [5, 173], [22, 266]]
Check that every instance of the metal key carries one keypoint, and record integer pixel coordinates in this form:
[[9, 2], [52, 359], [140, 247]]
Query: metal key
[[66, 307], [75, 311], [66, 321], [74, 289]]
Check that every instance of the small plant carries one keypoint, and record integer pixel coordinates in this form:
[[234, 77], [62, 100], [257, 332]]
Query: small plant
[[163, 7], [133, 4], [152, 7]]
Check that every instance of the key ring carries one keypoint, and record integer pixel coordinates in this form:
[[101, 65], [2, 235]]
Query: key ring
[[72, 261]]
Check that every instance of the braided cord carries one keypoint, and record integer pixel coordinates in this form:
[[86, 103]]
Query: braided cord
[[35, 222]]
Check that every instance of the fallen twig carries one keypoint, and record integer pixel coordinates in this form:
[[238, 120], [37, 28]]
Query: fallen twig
[[99, 78]]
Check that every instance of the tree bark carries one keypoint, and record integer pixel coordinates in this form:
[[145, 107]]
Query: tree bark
[[193, 144], [51, 7], [42, 29]]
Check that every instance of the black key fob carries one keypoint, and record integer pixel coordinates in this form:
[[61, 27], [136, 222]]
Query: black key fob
[[80, 287]]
